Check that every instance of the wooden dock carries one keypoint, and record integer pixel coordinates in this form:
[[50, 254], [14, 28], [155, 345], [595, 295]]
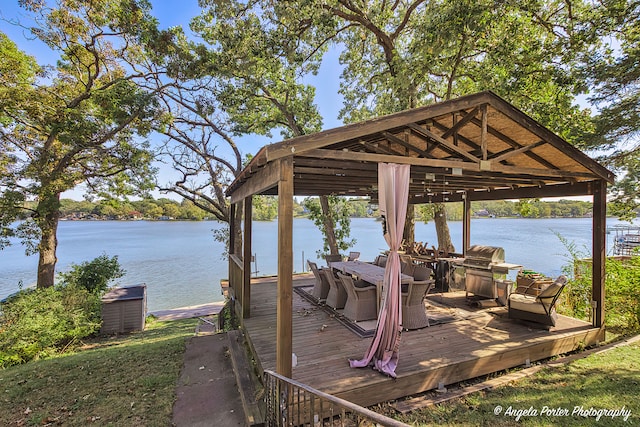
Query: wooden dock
[[468, 347]]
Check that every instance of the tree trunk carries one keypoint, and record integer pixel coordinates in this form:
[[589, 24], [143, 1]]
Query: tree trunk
[[409, 233], [49, 209], [442, 228], [327, 218]]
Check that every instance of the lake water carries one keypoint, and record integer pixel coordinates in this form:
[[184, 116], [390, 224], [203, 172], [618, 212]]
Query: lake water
[[182, 264]]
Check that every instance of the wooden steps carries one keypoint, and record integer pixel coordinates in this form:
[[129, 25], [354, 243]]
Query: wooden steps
[[248, 383]]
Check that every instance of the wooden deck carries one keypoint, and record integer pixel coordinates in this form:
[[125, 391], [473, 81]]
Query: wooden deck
[[485, 342]]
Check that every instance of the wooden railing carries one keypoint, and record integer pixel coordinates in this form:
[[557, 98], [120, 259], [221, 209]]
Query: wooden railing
[[290, 403], [236, 276]]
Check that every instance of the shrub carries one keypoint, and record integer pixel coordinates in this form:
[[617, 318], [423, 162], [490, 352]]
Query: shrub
[[622, 294], [38, 323], [42, 322], [94, 275]]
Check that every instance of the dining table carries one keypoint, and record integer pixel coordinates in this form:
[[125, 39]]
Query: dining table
[[369, 273]]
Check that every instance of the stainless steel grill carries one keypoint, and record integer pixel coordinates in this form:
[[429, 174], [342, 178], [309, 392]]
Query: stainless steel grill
[[480, 263], [483, 257]]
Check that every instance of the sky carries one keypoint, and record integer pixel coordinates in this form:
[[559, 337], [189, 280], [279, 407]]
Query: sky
[[173, 13]]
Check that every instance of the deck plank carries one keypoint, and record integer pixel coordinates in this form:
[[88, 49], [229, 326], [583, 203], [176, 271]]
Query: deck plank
[[444, 353]]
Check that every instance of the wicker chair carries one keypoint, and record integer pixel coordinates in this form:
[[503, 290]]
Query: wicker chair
[[421, 273], [353, 256], [333, 258], [337, 296], [408, 268], [414, 313], [540, 308], [321, 287], [380, 261], [361, 301]]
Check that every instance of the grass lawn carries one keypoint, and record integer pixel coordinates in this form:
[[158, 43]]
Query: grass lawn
[[127, 380], [130, 381], [554, 396]]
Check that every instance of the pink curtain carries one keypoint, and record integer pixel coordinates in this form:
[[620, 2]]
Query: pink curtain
[[393, 193]]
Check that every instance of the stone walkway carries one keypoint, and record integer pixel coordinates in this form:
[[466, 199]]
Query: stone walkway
[[206, 392]]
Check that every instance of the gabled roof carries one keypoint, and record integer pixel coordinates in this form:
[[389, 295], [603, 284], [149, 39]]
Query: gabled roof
[[464, 147]]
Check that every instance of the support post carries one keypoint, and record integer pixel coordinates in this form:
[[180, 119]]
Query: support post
[[466, 225], [599, 251], [232, 246], [246, 259], [284, 322]]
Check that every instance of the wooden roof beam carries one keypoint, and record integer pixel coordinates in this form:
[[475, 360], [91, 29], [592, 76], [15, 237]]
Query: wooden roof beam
[[516, 145], [505, 155], [380, 149], [451, 147], [391, 137], [459, 125]]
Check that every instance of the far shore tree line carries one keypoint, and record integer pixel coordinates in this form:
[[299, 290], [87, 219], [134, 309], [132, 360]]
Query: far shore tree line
[[265, 209]]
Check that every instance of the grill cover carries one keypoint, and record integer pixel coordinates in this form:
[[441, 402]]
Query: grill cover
[[484, 255]]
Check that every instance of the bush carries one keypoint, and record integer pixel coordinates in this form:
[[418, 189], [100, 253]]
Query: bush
[[43, 322], [38, 323], [622, 294], [94, 275]]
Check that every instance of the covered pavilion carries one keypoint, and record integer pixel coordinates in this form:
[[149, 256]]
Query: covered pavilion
[[476, 147]]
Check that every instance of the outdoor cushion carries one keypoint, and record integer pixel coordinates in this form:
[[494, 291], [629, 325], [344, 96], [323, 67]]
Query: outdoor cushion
[[551, 290], [525, 303]]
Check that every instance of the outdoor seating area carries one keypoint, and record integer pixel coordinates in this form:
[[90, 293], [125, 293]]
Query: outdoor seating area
[[469, 149], [354, 290], [469, 343]]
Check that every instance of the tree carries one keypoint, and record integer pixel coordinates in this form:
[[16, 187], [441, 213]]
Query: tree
[[78, 123], [265, 208], [404, 54], [340, 222], [615, 75], [244, 79], [400, 55]]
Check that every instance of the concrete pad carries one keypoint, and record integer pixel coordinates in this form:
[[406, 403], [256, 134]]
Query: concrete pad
[[189, 312], [207, 393]]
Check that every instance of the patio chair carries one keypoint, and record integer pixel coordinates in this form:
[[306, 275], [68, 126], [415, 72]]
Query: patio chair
[[420, 273], [333, 258], [540, 308], [407, 267], [406, 258], [337, 296], [321, 287], [414, 313], [381, 261], [361, 301], [353, 256]]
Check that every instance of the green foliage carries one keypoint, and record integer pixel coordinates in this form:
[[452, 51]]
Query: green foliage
[[43, 322], [95, 275], [506, 208], [79, 123], [623, 295], [265, 208], [340, 218], [622, 290], [612, 73], [147, 208]]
